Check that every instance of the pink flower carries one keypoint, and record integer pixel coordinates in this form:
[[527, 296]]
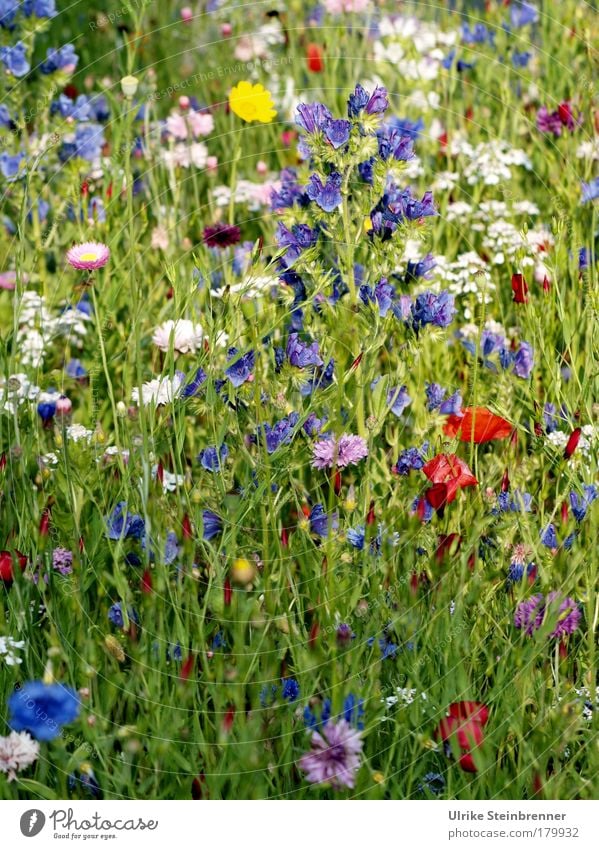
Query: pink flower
[[336, 7], [176, 126], [88, 256], [335, 755], [201, 123], [342, 452], [17, 751]]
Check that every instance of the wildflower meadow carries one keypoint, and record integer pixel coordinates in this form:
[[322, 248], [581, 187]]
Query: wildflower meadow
[[299, 400]]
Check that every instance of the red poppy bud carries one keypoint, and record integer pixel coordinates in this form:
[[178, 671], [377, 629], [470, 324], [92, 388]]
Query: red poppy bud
[[546, 284], [505, 482], [563, 650], [146, 582], [520, 289], [187, 667], [314, 631], [537, 784], [228, 719], [284, 537], [2, 462], [357, 361], [228, 592], [538, 429], [85, 188], [370, 517], [572, 443], [467, 763], [469, 114], [197, 789], [160, 472], [81, 545], [476, 711], [443, 141], [186, 527], [109, 191], [6, 564], [337, 482], [564, 512], [314, 58], [324, 565], [45, 522]]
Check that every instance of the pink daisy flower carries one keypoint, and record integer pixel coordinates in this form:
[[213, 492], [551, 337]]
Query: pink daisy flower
[[88, 256], [342, 452], [335, 755]]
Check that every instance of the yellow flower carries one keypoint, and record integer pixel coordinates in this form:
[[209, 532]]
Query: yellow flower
[[252, 102], [243, 571]]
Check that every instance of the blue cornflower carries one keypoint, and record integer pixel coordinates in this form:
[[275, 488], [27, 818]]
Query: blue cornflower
[[590, 191], [15, 59], [433, 308], [580, 503], [213, 457], [516, 572], [387, 648], [549, 536], [313, 425], [242, 367], [124, 525], [319, 521], [312, 721], [356, 537], [422, 509], [46, 410], [39, 8], [219, 641], [301, 354], [353, 711], [516, 502], [434, 396], [41, 709], [290, 690], [411, 458], [116, 616], [212, 524], [337, 132], [434, 782], [372, 104], [64, 58], [327, 195], [479, 34], [520, 59], [267, 695]]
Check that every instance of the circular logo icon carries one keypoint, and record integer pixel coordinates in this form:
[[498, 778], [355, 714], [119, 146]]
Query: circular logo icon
[[32, 822]]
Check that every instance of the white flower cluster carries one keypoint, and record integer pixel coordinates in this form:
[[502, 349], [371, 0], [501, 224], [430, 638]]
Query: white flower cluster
[[405, 696], [38, 326], [415, 48], [8, 649], [15, 390], [253, 195], [161, 390], [489, 162]]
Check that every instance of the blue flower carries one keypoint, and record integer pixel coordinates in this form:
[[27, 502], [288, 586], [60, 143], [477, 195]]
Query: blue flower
[[41, 709], [296, 240], [549, 536], [212, 457], [420, 268], [434, 396], [46, 410], [171, 548], [398, 399], [521, 59], [8, 12], [327, 196], [319, 521], [478, 35], [124, 525], [289, 193], [372, 104], [212, 524], [10, 166], [301, 354], [516, 502], [581, 503], [280, 433], [194, 383], [337, 132], [590, 191], [312, 117], [79, 109], [313, 425], [356, 537], [432, 308], [452, 406], [410, 458], [242, 367], [117, 618], [5, 119], [64, 58], [524, 361], [388, 649], [523, 13], [393, 145], [15, 59], [75, 369], [290, 690], [86, 143], [353, 711], [434, 782], [406, 127], [39, 8]]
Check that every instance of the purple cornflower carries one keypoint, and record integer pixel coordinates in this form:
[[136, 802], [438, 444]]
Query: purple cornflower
[[221, 235], [335, 755], [549, 122], [62, 560], [327, 196], [213, 457], [242, 367], [372, 104], [301, 354], [342, 452], [530, 614], [432, 308]]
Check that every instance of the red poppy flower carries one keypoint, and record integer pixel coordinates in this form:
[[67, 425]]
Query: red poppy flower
[[446, 468], [572, 443], [314, 58], [477, 424], [476, 711], [7, 559], [464, 724], [520, 289]]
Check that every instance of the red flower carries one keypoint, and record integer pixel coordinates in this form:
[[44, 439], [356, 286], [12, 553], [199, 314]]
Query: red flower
[[6, 564], [465, 724], [314, 58], [477, 424], [476, 711], [447, 544], [228, 592], [186, 527], [572, 443], [146, 582], [447, 473], [520, 289]]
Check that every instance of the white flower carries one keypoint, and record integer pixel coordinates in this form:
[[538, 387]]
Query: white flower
[[170, 481], [184, 336], [161, 390], [7, 650], [79, 433], [17, 751]]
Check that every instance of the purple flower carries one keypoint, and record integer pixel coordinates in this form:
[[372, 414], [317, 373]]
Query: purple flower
[[301, 354], [433, 308], [312, 117], [345, 451], [581, 503], [15, 59], [392, 145], [337, 132], [280, 433], [372, 104], [212, 524], [62, 560], [241, 369], [335, 755], [193, 385], [590, 191], [530, 614], [398, 399], [524, 361], [212, 457], [124, 525], [549, 536], [296, 240], [313, 425], [452, 406], [549, 122], [327, 196], [523, 13], [319, 521], [411, 458], [434, 396], [420, 268]]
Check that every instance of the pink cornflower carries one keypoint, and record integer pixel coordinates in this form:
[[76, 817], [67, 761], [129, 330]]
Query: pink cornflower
[[530, 614], [335, 755], [88, 256], [17, 752], [342, 452]]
